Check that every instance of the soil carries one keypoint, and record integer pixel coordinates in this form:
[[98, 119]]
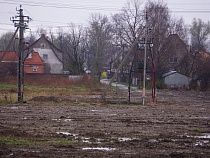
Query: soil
[[177, 126]]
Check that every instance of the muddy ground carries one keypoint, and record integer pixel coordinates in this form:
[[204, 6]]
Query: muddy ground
[[177, 126]]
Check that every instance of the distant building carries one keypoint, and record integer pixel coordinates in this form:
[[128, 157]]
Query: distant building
[[174, 79], [34, 64], [172, 54], [8, 65], [9, 57], [51, 55]]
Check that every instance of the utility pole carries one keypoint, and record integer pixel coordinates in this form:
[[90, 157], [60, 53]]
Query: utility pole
[[145, 63], [20, 22], [133, 46]]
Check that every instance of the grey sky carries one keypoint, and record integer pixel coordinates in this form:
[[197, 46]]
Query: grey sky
[[56, 13]]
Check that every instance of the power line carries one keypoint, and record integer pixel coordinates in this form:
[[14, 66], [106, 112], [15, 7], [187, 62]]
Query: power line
[[63, 6]]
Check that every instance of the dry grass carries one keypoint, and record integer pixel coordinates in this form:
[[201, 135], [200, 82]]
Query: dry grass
[[47, 86]]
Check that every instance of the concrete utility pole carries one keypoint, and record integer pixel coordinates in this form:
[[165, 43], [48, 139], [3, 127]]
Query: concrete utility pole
[[145, 63], [20, 22]]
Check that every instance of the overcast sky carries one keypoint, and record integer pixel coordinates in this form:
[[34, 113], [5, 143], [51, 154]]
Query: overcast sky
[[56, 13]]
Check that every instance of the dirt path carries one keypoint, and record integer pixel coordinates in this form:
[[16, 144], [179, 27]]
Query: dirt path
[[177, 126]]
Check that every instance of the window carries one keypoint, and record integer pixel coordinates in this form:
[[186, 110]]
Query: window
[[35, 68], [42, 45], [173, 60], [45, 56]]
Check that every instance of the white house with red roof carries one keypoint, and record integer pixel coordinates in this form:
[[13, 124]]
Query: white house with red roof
[[51, 55]]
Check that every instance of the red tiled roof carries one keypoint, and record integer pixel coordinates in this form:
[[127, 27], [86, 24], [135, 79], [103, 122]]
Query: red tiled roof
[[34, 60], [9, 57]]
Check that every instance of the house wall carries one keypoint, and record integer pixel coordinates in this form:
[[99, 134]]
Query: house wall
[[34, 69], [176, 80], [56, 66]]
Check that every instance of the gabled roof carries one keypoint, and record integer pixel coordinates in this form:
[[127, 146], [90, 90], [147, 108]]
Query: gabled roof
[[9, 56], [56, 51], [171, 43], [34, 60], [168, 73], [171, 73]]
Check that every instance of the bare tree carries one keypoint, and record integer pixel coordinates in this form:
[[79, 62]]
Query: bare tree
[[159, 23], [200, 32], [177, 26], [73, 45], [127, 25], [100, 37], [4, 41], [200, 70], [128, 22]]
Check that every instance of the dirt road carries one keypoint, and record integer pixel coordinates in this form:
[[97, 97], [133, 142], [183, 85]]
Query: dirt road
[[177, 126]]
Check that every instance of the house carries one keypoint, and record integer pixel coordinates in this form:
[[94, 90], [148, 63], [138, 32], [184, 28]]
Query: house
[[172, 54], [8, 65], [174, 79], [34, 64], [52, 56]]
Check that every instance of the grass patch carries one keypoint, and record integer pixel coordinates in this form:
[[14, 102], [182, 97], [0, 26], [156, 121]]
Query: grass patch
[[16, 141], [198, 130], [20, 142], [7, 86]]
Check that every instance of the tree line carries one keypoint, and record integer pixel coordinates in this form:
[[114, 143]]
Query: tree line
[[105, 41]]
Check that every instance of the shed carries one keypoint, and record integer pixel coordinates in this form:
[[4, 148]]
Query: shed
[[174, 79]]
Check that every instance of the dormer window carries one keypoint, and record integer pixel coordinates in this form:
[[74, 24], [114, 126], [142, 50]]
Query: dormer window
[[42, 45], [45, 56]]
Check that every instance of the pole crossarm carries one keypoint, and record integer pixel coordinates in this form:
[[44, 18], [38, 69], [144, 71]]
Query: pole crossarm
[[121, 64]]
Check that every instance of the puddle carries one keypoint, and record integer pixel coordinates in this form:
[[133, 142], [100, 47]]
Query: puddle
[[201, 143], [94, 110], [25, 118], [125, 139], [14, 108], [113, 114], [59, 120], [206, 136], [56, 119], [86, 140], [76, 137], [68, 134], [100, 148], [11, 154], [201, 118], [66, 120]]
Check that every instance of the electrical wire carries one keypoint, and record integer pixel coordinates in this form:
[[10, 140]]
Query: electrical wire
[[62, 6]]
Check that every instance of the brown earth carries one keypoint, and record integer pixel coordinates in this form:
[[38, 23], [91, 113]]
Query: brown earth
[[177, 126]]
